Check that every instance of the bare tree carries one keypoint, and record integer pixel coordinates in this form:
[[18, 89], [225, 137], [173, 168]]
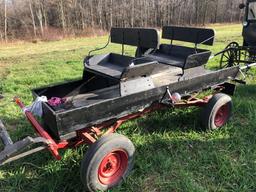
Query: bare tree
[[71, 16], [111, 13], [63, 20], [5, 21], [32, 17], [39, 15]]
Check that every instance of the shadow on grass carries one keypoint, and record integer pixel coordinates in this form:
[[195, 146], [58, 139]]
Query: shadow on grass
[[175, 120], [161, 165], [246, 91]]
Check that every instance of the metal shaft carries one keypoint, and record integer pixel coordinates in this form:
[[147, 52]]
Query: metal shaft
[[248, 66], [5, 137]]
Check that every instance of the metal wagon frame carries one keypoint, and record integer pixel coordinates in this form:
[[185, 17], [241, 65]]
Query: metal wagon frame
[[117, 88]]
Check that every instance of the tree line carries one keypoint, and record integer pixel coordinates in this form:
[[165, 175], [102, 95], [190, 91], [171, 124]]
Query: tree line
[[41, 18]]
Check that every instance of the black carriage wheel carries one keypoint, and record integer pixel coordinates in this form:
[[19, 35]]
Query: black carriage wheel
[[231, 56], [217, 112], [107, 162]]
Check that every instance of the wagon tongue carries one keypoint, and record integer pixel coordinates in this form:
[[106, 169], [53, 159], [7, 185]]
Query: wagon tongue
[[13, 151]]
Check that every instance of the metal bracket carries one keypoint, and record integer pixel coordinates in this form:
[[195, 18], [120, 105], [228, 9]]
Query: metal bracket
[[169, 99], [136, 85]]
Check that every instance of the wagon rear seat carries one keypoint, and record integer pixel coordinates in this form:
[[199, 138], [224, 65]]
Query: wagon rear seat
[[183, 56], [113, 65]]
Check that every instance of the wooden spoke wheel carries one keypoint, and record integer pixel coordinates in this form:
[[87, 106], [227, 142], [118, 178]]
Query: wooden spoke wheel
[[231, 56]]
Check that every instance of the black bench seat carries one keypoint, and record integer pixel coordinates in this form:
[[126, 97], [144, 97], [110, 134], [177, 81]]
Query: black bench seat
[[109, 64], [114, 65], [167, 59], [183, 56]]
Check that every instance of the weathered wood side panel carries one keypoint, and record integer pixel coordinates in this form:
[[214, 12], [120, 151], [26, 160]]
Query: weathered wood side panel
[[76, 119]]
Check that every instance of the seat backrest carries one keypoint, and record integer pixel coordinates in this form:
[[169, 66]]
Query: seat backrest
[[139, 37], [189, 34]]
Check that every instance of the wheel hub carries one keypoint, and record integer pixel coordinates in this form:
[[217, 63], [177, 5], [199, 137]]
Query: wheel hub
[[112, 167], [221, 116]]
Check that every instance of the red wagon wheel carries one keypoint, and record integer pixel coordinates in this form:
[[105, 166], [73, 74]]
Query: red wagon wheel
[[221, 116], [113, 167], [231, 56], [217, 112], [107, 162]]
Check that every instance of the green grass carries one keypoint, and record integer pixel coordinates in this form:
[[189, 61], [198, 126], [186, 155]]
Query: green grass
[[172, 154]]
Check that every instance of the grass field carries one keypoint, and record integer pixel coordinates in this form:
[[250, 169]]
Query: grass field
[[172, 154]]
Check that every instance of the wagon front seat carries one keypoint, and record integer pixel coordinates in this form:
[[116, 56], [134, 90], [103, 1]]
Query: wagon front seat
[[113, 65]]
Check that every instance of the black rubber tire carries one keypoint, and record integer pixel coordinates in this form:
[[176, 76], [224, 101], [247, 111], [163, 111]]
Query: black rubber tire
[[210, 111], [96, 153]]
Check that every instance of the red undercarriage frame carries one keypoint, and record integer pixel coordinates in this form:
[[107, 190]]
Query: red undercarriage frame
[[89, 135]]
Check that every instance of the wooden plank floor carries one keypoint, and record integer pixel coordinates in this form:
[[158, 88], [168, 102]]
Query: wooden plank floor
[[94, 97]]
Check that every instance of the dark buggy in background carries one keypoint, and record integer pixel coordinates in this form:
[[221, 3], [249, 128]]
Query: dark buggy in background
[[235, 54], [116, 88]]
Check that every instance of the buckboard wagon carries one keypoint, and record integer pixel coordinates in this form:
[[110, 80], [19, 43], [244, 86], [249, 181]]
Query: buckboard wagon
[[116, 88]]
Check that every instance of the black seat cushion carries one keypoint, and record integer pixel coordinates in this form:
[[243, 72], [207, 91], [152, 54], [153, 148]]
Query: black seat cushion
[[111, 65], [172, 55], [116, 66], [180, 56], [167, 59]]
